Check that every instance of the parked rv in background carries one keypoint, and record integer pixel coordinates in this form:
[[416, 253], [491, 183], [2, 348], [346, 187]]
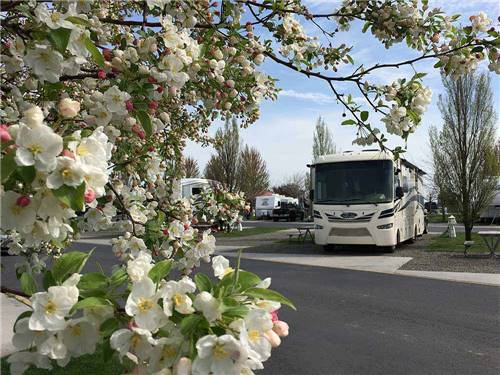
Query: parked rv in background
[[366, 198], [265, 204], [492, 212], [194, 186]]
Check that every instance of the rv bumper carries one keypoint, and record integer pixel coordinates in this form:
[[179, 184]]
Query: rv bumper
[[344, 235]]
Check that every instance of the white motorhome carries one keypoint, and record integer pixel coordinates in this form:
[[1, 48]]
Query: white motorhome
[[265, 204], [194, 186], [492, 212], [366, 198]]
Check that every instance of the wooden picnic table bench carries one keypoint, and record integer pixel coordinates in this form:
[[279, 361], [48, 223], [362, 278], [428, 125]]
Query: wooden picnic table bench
[[303, 232], [492, 240]]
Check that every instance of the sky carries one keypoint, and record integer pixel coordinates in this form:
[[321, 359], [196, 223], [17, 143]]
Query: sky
[[284, 132]]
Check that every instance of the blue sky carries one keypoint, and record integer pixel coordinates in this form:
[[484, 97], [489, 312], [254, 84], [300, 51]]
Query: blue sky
[[284, 132]]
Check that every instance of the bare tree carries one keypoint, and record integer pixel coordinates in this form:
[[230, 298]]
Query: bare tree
[[190, 168], [464, 149], [253, 177], [323, 141], [295, 186], [223, 166]]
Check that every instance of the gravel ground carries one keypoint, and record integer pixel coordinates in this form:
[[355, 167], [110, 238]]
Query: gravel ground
[[422, 260]]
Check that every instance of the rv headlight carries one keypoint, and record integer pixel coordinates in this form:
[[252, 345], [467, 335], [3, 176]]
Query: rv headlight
[[385, 226], [318, 226]]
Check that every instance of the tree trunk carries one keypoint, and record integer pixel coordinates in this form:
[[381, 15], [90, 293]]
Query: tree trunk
[[443, 216], [468, 230]]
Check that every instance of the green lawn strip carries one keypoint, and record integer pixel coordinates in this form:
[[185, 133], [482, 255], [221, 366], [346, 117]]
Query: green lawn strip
[[248, 232], [86, 364], [446, 244]]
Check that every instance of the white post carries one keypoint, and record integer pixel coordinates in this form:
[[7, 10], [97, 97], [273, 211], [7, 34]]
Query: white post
[[451, 226]]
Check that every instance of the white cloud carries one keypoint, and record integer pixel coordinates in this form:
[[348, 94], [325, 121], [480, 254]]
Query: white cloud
[[313, 96]]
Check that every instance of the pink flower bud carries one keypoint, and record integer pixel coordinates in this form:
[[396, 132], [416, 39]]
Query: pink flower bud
[[194, 221], [89, 195], [165, 232], [186, 226], [159, 89], [273, 338], [101, 74], [153, 104], [274, 315], [68, 154], [129, 105], [4, 134], [281, 328], [151, 79], [23, 201], [182, 367]]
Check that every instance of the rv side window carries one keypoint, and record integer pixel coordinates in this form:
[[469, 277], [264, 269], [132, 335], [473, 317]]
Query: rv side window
[[279, 204], [196, 190], [405, 184]]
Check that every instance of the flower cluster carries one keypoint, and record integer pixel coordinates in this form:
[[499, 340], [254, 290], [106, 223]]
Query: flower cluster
[[410, 100]]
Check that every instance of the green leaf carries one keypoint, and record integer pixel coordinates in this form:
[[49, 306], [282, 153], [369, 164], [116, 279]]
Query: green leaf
[[78, 21], [365, 26], [71, 196], [236, 311], [190, 323], [145, 120], [203, 283], [91, 302], [52, 90], [118, 277], [48, 280], [60, 38], [160, 270], [364, 115], [8, 165], [93, 280], [94, 51], [69, 264], [348, 122], [28, 284], [419, 75], [109, 326], [439, 64], [24, 314], [269, 295], [27, 174], [247, 279]]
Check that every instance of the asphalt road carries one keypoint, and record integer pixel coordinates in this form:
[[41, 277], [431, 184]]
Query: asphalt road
[[432, 227], [353, 322]]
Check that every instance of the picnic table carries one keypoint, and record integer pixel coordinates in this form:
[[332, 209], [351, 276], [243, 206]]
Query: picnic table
[[303, 232], [492, 240]]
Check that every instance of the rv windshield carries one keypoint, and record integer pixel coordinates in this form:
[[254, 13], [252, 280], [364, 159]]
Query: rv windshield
[[354, 182]]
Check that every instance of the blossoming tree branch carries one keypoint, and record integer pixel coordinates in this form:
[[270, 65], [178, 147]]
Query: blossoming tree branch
[[98, 101]]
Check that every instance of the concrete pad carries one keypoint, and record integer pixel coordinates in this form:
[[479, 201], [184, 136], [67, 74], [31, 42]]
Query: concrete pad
[[383, 264], [9, 311], [465, 277]]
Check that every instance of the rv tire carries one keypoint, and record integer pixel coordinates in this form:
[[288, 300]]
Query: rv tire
[[390, 249]]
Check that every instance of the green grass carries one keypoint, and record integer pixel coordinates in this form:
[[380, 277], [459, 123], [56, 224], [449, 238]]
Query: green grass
[[438, 218], [86, 364], [438, 243], [248, 232]]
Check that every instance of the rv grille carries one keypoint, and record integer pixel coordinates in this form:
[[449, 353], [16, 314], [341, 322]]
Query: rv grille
[[337, 219], [350, 232]]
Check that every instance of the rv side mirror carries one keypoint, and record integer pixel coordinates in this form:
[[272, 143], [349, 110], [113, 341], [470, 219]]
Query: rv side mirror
[[311, 195], [399, 192]]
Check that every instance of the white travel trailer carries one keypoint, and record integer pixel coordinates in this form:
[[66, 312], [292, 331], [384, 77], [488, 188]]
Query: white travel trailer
[[194, 186], [366, 198], [265, 204]]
